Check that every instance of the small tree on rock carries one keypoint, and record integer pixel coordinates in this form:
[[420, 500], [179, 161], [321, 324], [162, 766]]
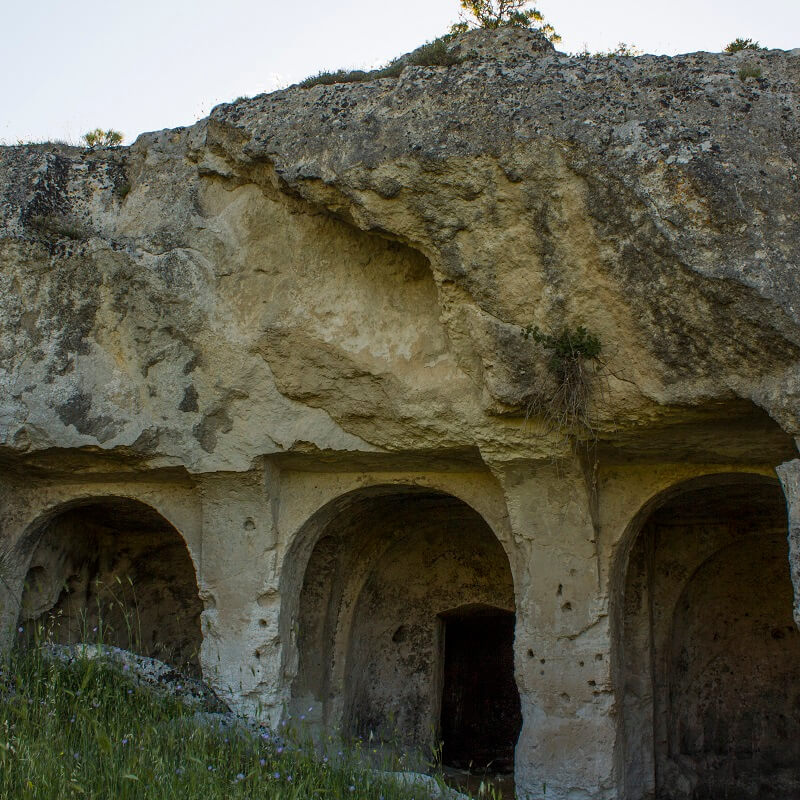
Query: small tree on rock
[[100, 138], [502, 13], [742, 44]]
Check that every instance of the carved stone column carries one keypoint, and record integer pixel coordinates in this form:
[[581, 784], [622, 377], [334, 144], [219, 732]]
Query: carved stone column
[[789, 474]]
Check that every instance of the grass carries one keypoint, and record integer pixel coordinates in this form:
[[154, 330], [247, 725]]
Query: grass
[[749, 71], [86, 730], [431, 54]]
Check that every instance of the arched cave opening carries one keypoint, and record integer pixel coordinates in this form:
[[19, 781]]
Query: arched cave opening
[[710, 652], [375, 619], [115, 569]]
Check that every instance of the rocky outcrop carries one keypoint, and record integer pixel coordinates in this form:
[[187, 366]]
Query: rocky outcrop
[[149, 673], [353, 266]]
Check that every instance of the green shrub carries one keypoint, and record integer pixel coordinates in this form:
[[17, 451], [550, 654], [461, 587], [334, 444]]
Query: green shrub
[[434, 54], [575, 366], [99, 138], [493, 14], [749, 71], [326, 78], [623, 49], [739, 44]]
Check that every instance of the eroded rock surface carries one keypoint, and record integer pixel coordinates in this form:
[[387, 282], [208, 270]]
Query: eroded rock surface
[[352, 266]]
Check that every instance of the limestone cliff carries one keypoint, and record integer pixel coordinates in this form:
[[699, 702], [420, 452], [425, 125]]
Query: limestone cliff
[[354, 266]]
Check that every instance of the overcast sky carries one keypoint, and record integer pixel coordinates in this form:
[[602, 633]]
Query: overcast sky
[[68, 67]]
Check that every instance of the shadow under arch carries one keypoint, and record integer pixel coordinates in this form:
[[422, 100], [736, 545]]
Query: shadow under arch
[[112, 567], [704, 647], [365, 586]]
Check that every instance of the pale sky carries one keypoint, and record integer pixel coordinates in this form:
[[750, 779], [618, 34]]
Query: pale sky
[[68, 67]]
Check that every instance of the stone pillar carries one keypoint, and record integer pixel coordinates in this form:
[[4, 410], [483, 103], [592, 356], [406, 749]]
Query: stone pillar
[[562, 644], [789, 475], [241, 647], [14, 555]]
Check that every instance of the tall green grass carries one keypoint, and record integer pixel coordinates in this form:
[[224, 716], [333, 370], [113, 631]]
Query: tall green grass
[[86, 730]]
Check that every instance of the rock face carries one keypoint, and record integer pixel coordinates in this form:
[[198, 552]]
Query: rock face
[[286, 328]]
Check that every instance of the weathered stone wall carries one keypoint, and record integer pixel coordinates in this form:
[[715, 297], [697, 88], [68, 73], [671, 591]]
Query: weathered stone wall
[[322, 298]]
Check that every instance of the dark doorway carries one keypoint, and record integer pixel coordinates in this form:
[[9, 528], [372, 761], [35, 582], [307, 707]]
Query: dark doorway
[[481, 716]]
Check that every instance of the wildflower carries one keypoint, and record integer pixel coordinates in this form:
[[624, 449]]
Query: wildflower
[[76, 756], [276, 775], [262, 761], [181, 770], [289, 779], [279, 750], [325, 759], [126, 667], [351, 788], [20, 629], [240, 776], [125, 741], [94, 630]]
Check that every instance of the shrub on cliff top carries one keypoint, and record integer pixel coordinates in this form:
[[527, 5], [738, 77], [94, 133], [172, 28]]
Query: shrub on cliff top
[[739, 44], [100, 138], [501, 13]]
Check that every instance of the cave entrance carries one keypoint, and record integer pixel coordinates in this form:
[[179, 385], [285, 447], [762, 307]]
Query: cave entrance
[[114, 570], [480, 715], [385, 568], [711, 657]]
